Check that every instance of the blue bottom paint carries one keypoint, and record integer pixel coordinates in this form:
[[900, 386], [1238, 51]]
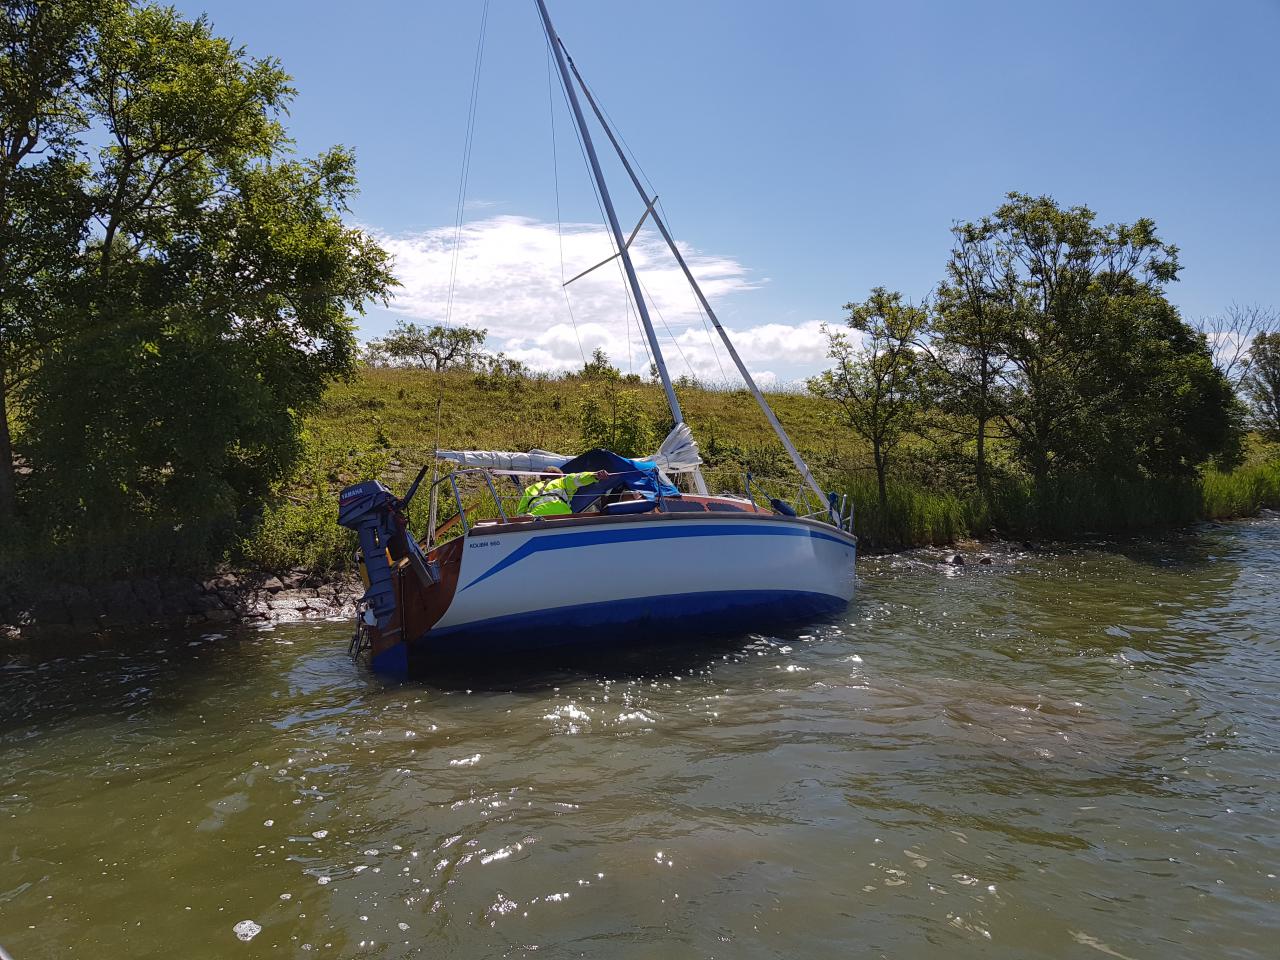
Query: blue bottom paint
[[611, 624]]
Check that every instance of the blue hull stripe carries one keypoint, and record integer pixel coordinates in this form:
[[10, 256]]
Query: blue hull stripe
[[609, 624], [635, 534]]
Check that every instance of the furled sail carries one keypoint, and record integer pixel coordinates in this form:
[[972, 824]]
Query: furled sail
[[532, 461], [678, 453]]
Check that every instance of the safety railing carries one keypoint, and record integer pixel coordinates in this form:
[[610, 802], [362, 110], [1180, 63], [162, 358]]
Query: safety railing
[[481, 496]]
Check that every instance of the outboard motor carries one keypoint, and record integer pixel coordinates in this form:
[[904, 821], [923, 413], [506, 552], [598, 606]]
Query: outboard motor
[[378, 517], [370, 510]]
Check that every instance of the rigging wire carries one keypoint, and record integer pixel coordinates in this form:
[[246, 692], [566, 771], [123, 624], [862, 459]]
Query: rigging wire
[[670, 336], [466, 161], [632, 312], [715, 351], [555, 167]]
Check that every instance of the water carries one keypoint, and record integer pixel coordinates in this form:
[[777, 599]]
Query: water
[[1065, 754]]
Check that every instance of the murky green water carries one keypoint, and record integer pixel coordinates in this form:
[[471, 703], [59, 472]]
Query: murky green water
[[1059, 755]]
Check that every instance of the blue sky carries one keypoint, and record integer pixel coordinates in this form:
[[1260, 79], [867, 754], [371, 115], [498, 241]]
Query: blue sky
[[804, 152]]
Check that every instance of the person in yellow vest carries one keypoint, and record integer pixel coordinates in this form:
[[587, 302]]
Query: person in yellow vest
[[553, 493]]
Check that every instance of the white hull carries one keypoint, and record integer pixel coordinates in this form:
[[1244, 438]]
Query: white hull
[[509, 575]]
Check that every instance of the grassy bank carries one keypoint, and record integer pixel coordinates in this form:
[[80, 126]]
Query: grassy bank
[[384, 423]]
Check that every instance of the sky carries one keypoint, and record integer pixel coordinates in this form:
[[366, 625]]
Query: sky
[[804, 152]]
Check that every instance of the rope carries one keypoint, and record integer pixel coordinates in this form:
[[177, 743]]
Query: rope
[[466, 161]]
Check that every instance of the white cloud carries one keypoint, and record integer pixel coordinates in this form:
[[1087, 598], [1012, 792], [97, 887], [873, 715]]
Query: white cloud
[[508, 281]]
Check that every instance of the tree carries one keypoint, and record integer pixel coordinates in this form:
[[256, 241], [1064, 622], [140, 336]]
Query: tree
[[500, 372], [613, 418], [963, 342], [1263, 383], [1086, 349], [876, 385], [599, 367], [435, 348], [210, 302], [1230, 335], [44, 51]]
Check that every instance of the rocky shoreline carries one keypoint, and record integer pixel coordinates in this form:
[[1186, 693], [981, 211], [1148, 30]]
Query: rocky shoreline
[[57, 611]]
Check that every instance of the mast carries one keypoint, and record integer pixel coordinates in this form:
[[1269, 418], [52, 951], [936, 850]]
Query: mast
[[675, 252], [618, 237]]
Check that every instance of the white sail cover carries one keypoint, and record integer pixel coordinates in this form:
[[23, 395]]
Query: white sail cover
[[532, 461], [678, 453]]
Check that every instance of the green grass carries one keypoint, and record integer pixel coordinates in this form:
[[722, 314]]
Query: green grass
[[383, 423], [914, 517], [1242, 492]]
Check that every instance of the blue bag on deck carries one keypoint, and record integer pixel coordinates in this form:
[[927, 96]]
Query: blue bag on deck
[[640, 476]]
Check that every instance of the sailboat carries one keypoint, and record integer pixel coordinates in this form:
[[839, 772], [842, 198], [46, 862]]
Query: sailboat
[[635, 558]]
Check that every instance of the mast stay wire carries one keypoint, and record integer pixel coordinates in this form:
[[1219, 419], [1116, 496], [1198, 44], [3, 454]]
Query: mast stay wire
[[466, 162], [715, 351], [632, 313], [670, 336], [555, 167]]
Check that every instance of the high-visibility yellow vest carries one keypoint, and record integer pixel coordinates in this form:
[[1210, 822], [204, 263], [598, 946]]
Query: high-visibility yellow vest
[[548, 498]]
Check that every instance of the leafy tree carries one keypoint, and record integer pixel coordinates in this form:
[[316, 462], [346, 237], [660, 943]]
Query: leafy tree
[[963, 342], [876, 385], [1093, 369], [600, 367], [210, 303], [500, 372], [44, 52], [613, 418], [435, 348], [1263, 383]]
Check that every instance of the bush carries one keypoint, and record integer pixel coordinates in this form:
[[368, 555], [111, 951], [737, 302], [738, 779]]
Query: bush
[[913, 515], [300, 535], [614, 419], [1242, 492]]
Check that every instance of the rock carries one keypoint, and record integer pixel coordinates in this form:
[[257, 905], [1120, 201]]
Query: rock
[[124, 613], [272, 585], [221, 615], [173, 606], [985, 561], [148, 591], [956, 561], [83, 608], [294, 580], [115, 592], [206, 602], [55, 631], [225, 581], [50, 610]]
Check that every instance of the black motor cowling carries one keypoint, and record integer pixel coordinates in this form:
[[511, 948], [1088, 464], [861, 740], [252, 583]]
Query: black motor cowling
[[373, 511]]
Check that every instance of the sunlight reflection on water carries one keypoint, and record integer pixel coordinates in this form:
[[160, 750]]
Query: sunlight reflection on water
[[1060, 751]]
